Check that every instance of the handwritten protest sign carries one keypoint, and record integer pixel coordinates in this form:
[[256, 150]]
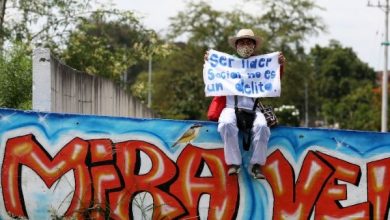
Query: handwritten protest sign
[[257, 76]]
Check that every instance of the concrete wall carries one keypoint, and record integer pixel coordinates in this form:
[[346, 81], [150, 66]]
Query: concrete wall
[[60, 88], [94, 167]]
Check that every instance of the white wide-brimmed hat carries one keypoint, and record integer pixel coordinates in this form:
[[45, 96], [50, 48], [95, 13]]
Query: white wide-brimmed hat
[[245, 33]]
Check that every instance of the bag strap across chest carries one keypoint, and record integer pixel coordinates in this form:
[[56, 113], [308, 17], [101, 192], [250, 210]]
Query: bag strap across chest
[[247, 124]]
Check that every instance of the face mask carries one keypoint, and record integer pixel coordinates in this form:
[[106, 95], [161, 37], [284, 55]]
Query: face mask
[[245, 51]]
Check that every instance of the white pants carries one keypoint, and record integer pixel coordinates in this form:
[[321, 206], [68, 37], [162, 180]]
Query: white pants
[[227, 127]]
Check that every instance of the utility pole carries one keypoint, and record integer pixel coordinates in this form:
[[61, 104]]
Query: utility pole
[[386, 43], [150, 82], [306, 104]]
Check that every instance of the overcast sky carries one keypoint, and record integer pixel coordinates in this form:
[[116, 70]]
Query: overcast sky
[[349, 21]]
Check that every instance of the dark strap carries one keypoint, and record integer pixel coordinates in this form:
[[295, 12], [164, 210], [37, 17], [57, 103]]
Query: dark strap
[[246, 141], [255, 105], [261, 106], [235, 102]]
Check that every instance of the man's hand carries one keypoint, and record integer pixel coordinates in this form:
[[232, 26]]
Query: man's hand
[[281, 59], [206, 56]]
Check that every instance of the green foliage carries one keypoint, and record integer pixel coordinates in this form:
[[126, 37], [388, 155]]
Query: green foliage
[[182, 70], [297, 80], [41, 21], [339, 70], [287, 115], [345, 88], [360, 109], [289, 21], [205, 27], [16, 77], [114, 44], [111, 44], [177, 85], [331, 77], [286, 25]]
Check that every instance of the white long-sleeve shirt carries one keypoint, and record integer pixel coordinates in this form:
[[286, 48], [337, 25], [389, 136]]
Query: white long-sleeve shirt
[[242, 102]]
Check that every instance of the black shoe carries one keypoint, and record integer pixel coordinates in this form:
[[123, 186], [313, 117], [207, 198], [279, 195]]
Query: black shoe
[[256, 172]]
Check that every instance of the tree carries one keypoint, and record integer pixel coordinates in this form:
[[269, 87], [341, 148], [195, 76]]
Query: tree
[[289, 21], [3, 4], [16, 77], [177, 88], [288, 115], [341, 79], [182, 69], [110, 44], [287, 24], [106, 42], [39, 21], [359, 110], [205, 27], [23, 22]]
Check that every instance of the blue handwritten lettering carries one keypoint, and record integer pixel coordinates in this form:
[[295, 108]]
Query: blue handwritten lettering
[[222, 60], [261, 62], [268, 61], [214, 87], [268, 86], [230, 62], [235, 75], [253, 64], [213, 60], [239, 86], [210, 74], [269, 74], [251, 75], [247, 89]]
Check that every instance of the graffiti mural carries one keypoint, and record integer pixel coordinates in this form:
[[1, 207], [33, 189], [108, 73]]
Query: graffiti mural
[[55, 166]]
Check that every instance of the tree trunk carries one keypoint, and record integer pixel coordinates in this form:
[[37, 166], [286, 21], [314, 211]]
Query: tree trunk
[[2, 32]]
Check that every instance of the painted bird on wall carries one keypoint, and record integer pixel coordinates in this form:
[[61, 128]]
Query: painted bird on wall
[[189, 135]]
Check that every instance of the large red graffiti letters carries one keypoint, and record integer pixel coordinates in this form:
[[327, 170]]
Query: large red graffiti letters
[[318, 186], [108, 177], [162, 171], [378, 180], [223, 189], [328, 205], [295, 201], [105, 177], [26, 151]]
